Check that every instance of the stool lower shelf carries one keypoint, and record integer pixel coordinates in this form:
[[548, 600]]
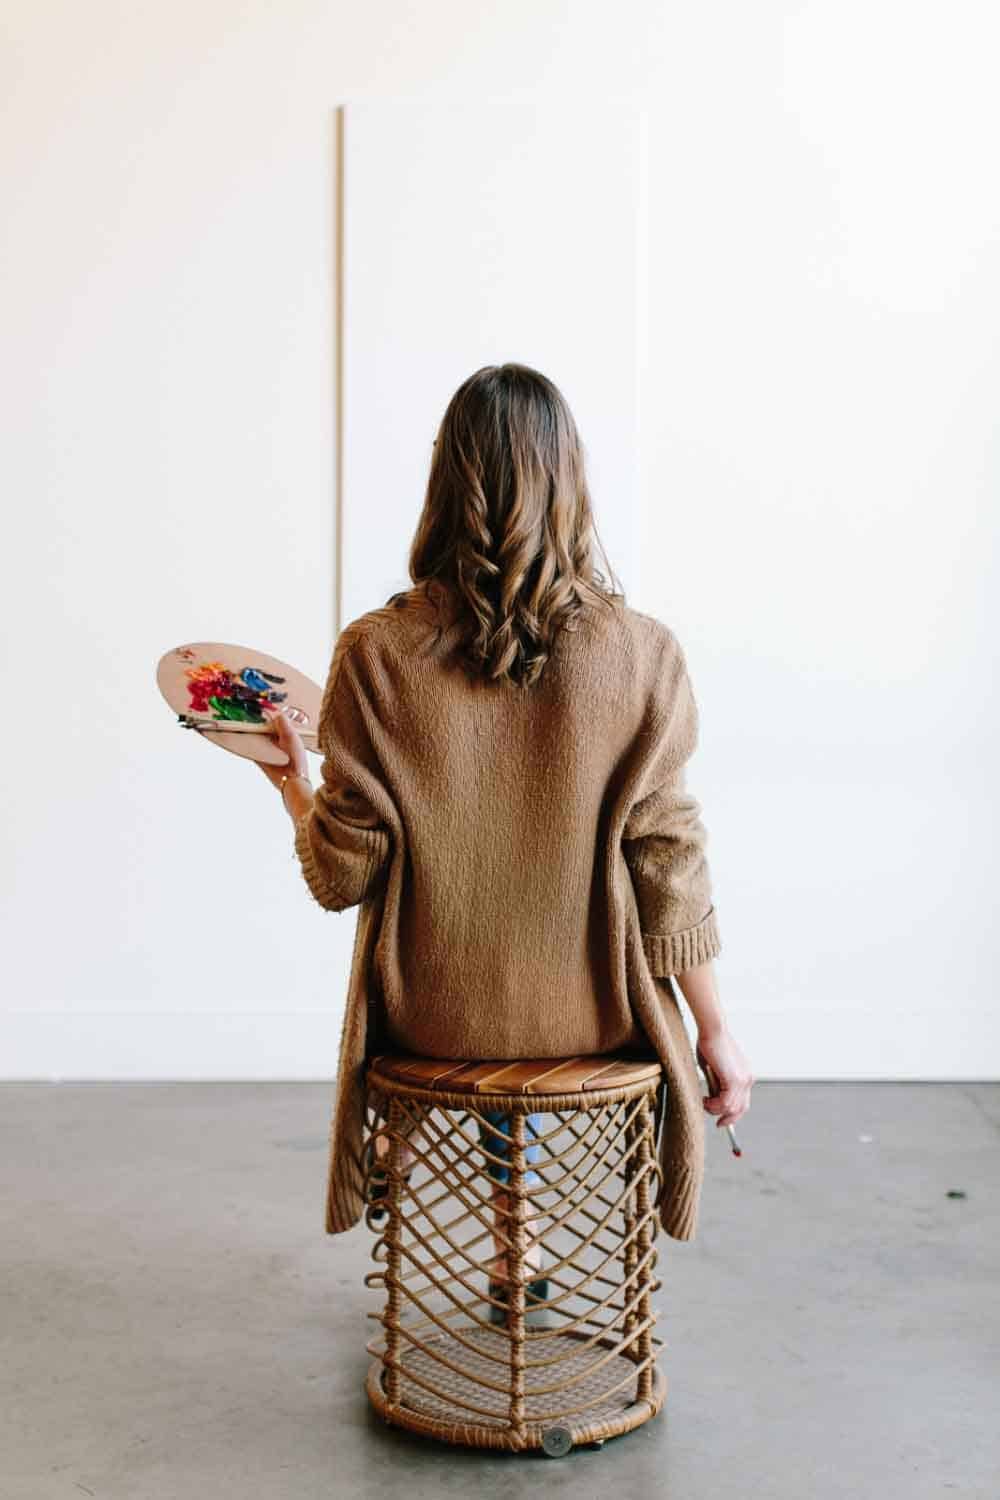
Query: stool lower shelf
[[460, 1409]]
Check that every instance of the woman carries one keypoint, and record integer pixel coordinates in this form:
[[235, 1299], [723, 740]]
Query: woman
[[503, 795]]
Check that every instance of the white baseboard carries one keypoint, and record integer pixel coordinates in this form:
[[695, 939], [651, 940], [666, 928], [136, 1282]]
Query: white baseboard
[[109, 1046]]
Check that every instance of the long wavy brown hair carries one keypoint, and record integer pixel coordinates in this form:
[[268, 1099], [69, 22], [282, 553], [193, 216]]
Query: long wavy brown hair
[[507, 525]]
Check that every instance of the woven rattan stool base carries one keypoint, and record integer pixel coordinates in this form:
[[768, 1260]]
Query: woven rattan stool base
[[444, 1418], [580, 1214]]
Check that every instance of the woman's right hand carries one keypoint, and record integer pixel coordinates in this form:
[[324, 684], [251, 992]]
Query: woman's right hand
[[720, 1049]]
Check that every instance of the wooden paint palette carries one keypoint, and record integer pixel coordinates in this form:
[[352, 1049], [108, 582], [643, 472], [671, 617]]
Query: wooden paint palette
[[229, 694]]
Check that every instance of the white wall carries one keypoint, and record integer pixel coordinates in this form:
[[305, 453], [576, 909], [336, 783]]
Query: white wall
[[824, 467], [817, 462]]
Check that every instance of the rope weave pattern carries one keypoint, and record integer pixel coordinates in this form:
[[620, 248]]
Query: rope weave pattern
[[584, 1356]]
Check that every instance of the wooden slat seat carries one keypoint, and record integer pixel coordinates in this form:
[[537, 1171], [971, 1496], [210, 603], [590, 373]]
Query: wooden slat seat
[[539, 1075]]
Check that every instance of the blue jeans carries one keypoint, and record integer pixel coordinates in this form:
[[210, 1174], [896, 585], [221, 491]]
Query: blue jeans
[[499, 1143]]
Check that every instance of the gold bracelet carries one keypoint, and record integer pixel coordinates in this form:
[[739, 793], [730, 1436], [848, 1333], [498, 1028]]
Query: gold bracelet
[[291, 776]]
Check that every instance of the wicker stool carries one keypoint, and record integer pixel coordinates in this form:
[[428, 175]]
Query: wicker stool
[[583, 1194]]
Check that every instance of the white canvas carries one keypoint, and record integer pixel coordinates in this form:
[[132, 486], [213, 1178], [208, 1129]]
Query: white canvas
[[477, 232]]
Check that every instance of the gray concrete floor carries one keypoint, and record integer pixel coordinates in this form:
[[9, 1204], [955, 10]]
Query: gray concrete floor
[[176, 1323]]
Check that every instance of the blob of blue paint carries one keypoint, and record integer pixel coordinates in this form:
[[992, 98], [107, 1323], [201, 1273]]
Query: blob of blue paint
[[258, 680]]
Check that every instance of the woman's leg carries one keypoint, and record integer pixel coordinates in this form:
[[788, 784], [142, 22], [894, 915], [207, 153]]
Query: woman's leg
[[381, 1145], [406, 1155], [497, 1141]]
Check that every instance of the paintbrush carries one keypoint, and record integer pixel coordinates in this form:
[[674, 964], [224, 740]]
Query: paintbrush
[[235, 726], [713, 1088]]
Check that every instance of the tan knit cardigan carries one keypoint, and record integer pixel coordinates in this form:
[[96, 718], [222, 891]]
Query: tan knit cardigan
[[528, 866]]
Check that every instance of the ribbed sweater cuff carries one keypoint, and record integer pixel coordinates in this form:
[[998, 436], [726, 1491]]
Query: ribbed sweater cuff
[[316, 880], [673, 952]]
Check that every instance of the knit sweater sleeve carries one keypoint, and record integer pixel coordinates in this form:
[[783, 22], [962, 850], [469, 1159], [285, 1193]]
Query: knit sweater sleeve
[[664, 839], [344, 841]]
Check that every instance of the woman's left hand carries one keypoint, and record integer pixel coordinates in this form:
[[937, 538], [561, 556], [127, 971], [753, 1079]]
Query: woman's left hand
[[290, 741]]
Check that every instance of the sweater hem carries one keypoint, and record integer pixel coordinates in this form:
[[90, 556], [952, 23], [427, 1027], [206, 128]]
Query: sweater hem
[[679, 1203]]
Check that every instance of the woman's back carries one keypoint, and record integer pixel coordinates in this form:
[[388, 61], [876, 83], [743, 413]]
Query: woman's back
[[494, 820]]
